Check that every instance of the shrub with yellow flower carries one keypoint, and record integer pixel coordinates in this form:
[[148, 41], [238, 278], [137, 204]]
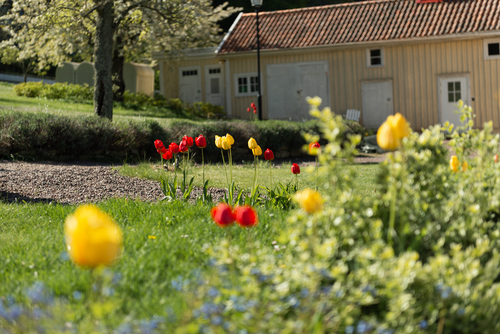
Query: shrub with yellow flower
[[454, 163], [92, 237]]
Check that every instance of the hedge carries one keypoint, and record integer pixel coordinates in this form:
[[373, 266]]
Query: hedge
[[58, 137]]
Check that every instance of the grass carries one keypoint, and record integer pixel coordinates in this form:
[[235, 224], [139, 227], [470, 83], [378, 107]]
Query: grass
[[243, 175], [11, 102], [33, 249]]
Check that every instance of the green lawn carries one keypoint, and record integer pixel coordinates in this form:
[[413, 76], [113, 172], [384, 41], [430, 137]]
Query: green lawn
[[10, 101], [243, 175]]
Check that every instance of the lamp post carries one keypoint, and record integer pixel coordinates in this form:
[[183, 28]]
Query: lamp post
[[257, 4]]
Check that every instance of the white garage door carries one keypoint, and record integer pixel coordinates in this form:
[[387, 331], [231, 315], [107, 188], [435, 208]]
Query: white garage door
[[290, 84], [190, 84], [377, 103]]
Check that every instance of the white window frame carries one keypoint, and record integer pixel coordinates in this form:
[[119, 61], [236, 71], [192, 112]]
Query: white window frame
[[247, 76], [368, 57], [485, 45]]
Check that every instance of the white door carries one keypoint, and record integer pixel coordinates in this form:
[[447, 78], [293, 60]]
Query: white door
[[451, 90], [214, 84], [189, 84], [288, 85], [377, 102]]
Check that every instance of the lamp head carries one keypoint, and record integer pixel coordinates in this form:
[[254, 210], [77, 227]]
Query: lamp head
[[256, 3]]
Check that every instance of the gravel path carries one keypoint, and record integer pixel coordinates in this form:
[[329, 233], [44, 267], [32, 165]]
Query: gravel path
[[80, 182]]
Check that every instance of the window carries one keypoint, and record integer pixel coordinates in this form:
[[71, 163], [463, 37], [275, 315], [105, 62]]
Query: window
[[247, 84], [374, 57], [492, 48], [454, 91], [214, 71], [189, 73]]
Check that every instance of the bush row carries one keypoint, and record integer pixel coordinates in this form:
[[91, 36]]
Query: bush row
[[135, 101], [57, 137]]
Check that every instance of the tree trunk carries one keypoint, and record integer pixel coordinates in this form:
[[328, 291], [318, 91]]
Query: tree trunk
[[103, 53], [118, 61]]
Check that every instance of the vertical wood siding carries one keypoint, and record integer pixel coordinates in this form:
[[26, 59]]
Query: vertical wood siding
[[414, 70]]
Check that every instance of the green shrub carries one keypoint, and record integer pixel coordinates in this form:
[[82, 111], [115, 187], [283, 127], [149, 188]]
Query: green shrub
[[43, 136], [57, 91]]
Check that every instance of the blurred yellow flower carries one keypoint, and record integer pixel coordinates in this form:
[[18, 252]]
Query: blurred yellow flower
[[315, 101], [391, 132], [465, 166], [400, 126], [257, 150], [252, 144], [454, 163], [226, 144], [92, 237], [309, 200], [386, 138], [218, 141], [230, 139], [151, 237]]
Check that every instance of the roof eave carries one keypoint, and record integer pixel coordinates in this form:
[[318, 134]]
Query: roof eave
[[229, 32]]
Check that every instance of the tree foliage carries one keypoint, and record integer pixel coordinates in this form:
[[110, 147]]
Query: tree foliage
[[53, 31]]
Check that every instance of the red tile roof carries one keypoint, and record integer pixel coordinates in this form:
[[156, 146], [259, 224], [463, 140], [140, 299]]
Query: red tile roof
[[366, 21]]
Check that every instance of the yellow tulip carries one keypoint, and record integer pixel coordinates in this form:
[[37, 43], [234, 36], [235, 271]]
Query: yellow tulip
[[454, 163], [92, 237], [386, 137], [465, 166], [309, 200], [400, 126], [230, 139], [218, 141], [257, 150], [226, 144], [252, 144]]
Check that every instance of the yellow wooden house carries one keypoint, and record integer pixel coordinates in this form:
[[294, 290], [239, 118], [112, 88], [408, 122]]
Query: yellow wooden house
[[416, 57]]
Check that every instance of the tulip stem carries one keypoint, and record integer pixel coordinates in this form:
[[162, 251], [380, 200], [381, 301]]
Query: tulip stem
[[316, 173], [225, 170], [392, 217], [270, 175], [297, 181], [203, 166], [231, 166]]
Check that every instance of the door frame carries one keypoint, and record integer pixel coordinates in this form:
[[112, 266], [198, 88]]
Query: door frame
[[465, 75], [222, 90], [361, 120], [188, 68]]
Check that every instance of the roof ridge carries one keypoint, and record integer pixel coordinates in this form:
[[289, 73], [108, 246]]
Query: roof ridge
[[338, 5]]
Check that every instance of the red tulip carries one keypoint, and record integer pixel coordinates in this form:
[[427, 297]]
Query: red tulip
[[313, 148], [253, 106], [183, 147], [174, 148], [161, 150], [245, 216], [201, 142], [268, 155], [255, 111], [248, 109], [189, 140], [167, 155], [158, 144], [222, 215], [295, 169]]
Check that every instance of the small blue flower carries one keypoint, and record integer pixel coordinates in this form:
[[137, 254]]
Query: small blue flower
[[37, 313], [124, 329], [304, 293], [37, 293], [117, 277], [363, 327], [349, 330], [77, 295], [15, 312], [213, 292], [64, 256], [108, 291], [217, 320], [461, 311], [423, 324], [4, 313]]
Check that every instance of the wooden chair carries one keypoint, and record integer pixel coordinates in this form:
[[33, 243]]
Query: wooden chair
[[353, 115]]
